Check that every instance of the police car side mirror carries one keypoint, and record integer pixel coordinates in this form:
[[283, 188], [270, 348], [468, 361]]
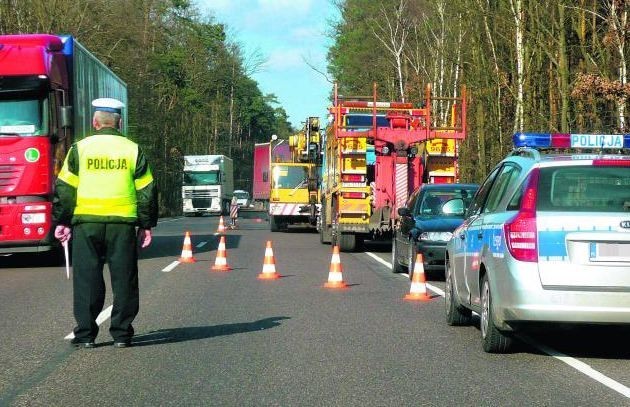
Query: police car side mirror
[[404, 211]]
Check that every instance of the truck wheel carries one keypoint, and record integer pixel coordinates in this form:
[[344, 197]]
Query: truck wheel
[[494, 341], [456, 315], [347, 242], [273, 224]]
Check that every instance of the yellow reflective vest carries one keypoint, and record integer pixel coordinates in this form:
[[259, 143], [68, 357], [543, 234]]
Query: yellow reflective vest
[[106, 181]]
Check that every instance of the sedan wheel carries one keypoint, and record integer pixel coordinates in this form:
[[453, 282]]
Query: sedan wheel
[[494, 341], [396, 268], [412, 258]]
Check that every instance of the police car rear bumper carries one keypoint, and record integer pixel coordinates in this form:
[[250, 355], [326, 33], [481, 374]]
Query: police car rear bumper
[[520, 297]]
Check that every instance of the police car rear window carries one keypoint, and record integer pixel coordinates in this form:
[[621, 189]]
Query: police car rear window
[[584, 189]]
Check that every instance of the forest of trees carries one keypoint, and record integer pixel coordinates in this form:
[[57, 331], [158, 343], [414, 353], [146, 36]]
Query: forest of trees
[[559, 66], [190, 86]]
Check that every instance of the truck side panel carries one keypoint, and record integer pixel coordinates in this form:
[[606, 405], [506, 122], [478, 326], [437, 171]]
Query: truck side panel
[[92, 80]]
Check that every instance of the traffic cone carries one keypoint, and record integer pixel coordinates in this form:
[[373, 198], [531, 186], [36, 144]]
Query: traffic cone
[[418, 291], [221, 228], [269, 265], [187, 256], [220, 264], [335, 279]]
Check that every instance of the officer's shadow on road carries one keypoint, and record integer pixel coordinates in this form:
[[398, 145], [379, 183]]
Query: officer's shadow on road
[[172, 335]]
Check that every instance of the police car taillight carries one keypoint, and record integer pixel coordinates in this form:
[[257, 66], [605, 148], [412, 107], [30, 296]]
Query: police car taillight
[[521, 233]]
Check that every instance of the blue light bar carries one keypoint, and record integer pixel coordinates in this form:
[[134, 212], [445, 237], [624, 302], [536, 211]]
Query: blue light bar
[[566, 140]]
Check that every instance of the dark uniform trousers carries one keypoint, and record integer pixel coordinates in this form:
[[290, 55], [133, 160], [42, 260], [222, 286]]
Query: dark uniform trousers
[[95, 244]]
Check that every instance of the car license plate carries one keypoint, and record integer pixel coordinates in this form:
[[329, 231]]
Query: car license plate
[[610, 252], [597, 140]]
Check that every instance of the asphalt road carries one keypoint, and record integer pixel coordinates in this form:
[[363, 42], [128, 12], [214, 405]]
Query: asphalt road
[[228, 339]]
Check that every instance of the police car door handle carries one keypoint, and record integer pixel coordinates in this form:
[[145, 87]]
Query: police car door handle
[[480, 235], [462, 236]]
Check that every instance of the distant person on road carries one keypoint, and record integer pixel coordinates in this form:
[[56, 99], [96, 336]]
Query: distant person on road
[[233, 211], [104, 191]]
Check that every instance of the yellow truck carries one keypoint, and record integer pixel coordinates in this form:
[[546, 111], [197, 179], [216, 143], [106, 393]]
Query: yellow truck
[[294, 195]]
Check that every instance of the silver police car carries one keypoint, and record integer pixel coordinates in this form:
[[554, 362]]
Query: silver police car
[[546, 239]]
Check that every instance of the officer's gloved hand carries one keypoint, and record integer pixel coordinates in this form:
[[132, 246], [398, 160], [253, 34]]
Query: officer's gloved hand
[[144, 236], [63, 233]]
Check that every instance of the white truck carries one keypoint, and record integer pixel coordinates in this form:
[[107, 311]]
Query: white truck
[[207, 185]]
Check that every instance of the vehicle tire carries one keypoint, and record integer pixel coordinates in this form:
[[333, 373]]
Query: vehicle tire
[[456, 315], [347, 242], [396, 267], [411, 258], [273, 224], [494, 341]]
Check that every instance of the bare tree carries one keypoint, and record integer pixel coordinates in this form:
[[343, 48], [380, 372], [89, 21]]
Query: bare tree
[[393, 32], [517, 13]]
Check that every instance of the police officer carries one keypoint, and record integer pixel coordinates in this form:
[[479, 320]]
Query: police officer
[[104, 190]]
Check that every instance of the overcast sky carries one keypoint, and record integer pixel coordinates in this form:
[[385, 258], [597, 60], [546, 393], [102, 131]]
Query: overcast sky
[[286, 33]]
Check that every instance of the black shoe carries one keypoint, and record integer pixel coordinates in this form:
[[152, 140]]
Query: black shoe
[[83, 343], [122, 344]]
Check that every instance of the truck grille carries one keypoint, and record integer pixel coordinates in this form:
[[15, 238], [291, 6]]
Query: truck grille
[[200, 194], [9, 177], [201, 202]]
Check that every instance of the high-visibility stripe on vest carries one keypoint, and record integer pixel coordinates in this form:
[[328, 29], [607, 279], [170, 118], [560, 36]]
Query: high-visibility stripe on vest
[[106, 185]]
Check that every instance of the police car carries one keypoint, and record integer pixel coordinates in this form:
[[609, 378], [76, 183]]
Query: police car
[[546, 239]]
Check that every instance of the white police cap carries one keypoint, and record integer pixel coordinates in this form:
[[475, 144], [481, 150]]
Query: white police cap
[[108, 105]]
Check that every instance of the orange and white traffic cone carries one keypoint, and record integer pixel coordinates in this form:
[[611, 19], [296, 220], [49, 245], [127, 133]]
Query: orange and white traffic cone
[[418, 291], [335, 279], [269, 265], [220, 264], [187, 255], [221, 228]]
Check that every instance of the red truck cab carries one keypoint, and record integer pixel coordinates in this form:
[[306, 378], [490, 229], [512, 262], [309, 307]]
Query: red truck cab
[[47, 83]]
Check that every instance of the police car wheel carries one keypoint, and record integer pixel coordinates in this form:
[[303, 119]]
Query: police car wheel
[[456, 315], [494, 341]]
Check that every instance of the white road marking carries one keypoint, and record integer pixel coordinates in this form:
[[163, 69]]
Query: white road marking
[[102, 317], [170, 267], [387, 264], [574, 363], [580, 367], [202, 244], [168, 220]]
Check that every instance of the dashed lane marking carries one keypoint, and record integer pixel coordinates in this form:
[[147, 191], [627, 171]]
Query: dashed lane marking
[[200, 245], [571, 361], [170, 267]]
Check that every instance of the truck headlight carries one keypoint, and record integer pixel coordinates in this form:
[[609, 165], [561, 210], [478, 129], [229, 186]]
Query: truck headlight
[[29, 218], [436, 236]]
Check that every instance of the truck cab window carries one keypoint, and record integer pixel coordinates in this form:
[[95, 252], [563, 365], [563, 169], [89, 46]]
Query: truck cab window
[[25, 117]]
